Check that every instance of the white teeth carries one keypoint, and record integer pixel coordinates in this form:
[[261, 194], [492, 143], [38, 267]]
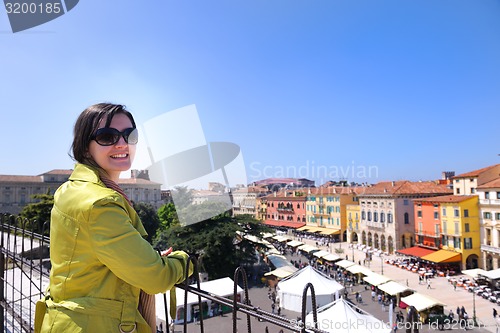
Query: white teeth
[[119, 156]]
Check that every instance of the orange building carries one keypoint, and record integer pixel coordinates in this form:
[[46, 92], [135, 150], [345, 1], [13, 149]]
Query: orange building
[[285, 209], [427, 222]]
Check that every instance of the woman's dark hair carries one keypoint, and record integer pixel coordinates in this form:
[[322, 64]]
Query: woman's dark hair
[[88, 123]]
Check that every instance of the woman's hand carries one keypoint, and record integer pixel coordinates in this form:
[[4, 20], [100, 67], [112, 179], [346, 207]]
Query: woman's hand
[[166, 252]]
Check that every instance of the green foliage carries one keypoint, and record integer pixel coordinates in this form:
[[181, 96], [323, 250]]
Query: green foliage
[[39, 211], [149, 218], [216, 242], [168, 216]]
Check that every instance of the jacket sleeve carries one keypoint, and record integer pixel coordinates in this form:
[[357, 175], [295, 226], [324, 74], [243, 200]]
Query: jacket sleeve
[[121, 248]]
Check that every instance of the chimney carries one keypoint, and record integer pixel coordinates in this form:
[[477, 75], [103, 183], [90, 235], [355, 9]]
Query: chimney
[[393, 183]]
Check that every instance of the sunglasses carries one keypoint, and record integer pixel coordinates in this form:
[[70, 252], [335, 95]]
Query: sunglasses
[[109, 136]]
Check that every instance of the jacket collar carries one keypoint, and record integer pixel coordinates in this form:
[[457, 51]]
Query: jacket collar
[[86, 173]]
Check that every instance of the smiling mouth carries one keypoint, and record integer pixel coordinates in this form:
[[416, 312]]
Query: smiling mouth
[[119, 156]]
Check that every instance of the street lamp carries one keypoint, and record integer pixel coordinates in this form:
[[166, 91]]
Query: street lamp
[[382, 264], [473, 307], [352, 248]]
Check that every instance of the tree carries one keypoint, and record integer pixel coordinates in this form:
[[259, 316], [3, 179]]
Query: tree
[[39, 211], [149, 218], [168, 216], [216, 242]]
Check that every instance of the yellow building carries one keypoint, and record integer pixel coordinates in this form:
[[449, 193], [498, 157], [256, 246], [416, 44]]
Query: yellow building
[[461, 228], [353, 228], [326, 210]]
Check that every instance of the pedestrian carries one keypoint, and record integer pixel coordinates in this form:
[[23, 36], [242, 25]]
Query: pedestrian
[[273, 306], [495, 313], [455, 285], [373, 295], [428, 284], [279, 310], [104, 273]]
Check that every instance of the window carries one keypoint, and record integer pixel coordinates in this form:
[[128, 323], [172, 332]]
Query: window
[[382, 217], [456, 213], [436, 229], [369, 216], [407, 218], [487, 215], [389, 217], [375, 216], [445, 228], [467, 243], [419, 213], [467, 227], [466, 213], [497, 216], [472, 190], [444, 212], [486, 195], [405, 202], [456, 242], [458, 191], [457, 229], [436, 215], [363, 215], [436, 206], [498, 195], [420, 227]]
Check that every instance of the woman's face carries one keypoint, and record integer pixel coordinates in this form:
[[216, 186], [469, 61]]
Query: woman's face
[[118, 157]]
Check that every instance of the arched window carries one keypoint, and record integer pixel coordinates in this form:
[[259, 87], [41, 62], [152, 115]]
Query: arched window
[[407, 218]]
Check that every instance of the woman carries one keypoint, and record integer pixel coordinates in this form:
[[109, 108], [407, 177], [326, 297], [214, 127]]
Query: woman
[[103, 270]]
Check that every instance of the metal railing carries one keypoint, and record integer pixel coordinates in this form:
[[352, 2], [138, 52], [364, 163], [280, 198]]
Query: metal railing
[[24, 271]]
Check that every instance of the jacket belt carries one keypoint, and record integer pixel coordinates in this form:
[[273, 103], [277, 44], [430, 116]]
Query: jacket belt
[[100, 307]]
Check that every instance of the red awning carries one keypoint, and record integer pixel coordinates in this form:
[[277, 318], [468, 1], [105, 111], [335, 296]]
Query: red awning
[[416, 251], [293, 225]]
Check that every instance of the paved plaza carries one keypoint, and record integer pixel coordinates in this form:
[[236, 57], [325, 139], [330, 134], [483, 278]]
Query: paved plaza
[[441, 290]]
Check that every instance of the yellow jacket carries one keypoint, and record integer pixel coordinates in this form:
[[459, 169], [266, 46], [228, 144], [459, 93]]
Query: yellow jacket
[[100, 261]]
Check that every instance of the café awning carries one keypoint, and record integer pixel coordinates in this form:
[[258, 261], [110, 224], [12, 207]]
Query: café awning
[[286, 224], [492, 275], [474, 272], [416, 251], [328, 231], [442, 256]]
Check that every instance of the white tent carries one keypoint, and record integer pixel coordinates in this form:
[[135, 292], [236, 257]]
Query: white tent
[[220, 287], [341, 316], [290, 289], [421, 302], [321, 253]]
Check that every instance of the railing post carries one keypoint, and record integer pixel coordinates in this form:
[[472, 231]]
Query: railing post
[[2, 291]]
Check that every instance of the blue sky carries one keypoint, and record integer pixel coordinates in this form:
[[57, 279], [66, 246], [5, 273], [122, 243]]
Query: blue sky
[[366, 90]]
